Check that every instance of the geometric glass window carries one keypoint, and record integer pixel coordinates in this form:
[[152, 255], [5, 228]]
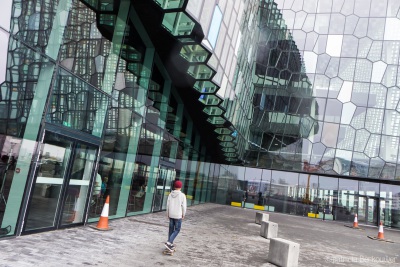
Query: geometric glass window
[[213, 111], [170, 4], [210, 100], [178, 23], [216, 120], [201, 72], [206, 87], [223, 131], [194, 53]]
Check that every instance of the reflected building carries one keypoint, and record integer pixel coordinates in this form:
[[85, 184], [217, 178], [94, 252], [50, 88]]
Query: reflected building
[[295, 102]]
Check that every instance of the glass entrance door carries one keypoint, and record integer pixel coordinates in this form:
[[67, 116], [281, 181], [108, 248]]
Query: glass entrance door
[[163, 188], [61, 189], [169, 175], [368, 210]]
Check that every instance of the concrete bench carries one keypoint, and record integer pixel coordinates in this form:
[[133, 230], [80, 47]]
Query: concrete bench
[[261, 217], [283, 252], [269, 229]]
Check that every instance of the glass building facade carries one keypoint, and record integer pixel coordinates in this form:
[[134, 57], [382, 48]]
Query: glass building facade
[[295, 102]]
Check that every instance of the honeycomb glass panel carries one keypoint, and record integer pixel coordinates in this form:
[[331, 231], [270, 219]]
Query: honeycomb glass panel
[[178, 23], [130, 54], [170, 4], [91, 3], [228, 149], [74, 103], [213, 111], [205, 87], [227, 144], [201, 72], [216, 120], [223, 131], [106, 5], [194, 53], [107, 19], [226, 138], [210, 100]]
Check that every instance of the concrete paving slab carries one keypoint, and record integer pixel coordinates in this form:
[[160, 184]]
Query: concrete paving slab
[[211, 235]]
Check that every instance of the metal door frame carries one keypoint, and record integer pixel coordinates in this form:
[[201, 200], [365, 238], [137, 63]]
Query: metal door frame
[[75, 137], [366, 211], [163, 190]]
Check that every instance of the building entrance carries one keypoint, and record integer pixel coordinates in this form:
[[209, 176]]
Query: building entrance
[[166, 176], [368, 210], [60, 191]]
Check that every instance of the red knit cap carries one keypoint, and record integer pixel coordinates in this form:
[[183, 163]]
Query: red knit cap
[[178, 184]]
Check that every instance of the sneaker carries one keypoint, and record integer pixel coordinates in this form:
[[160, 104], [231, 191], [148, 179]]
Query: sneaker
[[169, 247]]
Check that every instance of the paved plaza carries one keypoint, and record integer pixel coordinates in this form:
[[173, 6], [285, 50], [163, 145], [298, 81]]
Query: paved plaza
[[211, 235]]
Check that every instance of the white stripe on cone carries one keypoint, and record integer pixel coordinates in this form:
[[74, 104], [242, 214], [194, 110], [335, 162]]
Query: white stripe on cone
[[104, 212]]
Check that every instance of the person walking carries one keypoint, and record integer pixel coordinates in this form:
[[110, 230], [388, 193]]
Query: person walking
[[176, 210], [245, 197]]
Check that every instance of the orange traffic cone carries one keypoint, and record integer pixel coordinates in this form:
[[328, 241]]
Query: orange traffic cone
[[380, 232], [103, 222], [355, 223], [73, 214], [75, 195]]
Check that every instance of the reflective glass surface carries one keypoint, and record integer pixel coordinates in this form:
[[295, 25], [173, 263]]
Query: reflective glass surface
[[324, 91], [296, 96]]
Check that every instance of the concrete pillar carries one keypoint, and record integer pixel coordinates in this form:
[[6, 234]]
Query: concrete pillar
[[269, 230], [283, 252], [261, 217]]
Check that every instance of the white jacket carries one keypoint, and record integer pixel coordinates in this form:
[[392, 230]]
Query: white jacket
[[176, 205]]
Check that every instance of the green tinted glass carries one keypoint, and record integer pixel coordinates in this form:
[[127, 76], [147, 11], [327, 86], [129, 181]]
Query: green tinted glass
[[206, 87], [213, 111], [194, 53], [178, 23], [201, 72], [170, 4]]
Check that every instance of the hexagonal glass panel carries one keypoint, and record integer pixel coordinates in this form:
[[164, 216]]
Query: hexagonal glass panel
[[216, 120], [206, 87], [130, 54], [107, 19], [170, 4], [178, 23], [153, 86], [187, 40], [213, 111], [223, 131], [227, 138], [106, 5], [227, 144], [210, 100], [230, 155], [228, 149], [92, 3], [194, 53], [201, 72], [135, 68]]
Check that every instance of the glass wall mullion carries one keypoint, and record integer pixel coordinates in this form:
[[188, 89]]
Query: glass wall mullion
[[28, 144]]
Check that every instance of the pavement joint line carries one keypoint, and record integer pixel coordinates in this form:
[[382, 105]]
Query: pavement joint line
[[357, 228], [152, 223]]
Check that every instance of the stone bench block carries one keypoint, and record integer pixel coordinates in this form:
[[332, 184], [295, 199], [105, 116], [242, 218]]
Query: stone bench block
[[283, 252], [261, 217], [269, 229]]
